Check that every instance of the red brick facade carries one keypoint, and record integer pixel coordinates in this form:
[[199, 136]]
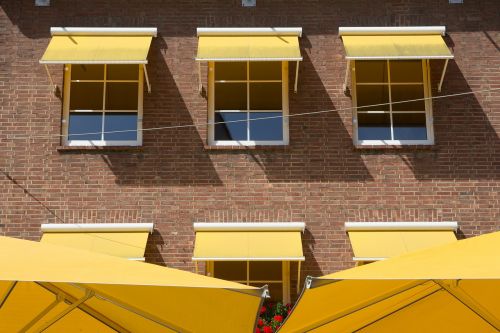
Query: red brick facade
[[321, 179]]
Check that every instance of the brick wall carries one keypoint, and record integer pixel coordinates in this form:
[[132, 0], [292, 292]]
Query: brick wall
[[320, 178]]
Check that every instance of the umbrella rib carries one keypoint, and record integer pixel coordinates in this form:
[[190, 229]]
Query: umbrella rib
[[471, 304], [7, 293]]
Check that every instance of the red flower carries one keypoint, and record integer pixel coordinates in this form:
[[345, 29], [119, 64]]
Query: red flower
[[268, 329], [278, 318], [260, 323], [263, 310], [288, 312], [257, 330]]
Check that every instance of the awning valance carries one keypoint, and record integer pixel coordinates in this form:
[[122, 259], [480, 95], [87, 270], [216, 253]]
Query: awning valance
[[126, 240], [396, 43], [248, 44], [248, 242], [98, 46], [380, 240]]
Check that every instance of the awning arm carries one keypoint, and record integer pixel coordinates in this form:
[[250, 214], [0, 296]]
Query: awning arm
[[346, 76], [442, 75], [296, 77], [59, 298], [7, 293], [54, 86], [200, 85], [298, 277], [147, 78]]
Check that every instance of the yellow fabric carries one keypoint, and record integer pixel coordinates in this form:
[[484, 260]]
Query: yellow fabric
[[409, 293], [396, 47], [220, 48], [386, 244], [252, 245], [120, 244], [97, 49], [184, 301]]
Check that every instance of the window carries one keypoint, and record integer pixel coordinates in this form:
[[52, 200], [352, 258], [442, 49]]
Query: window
[[275, 274], [103, 105], [381, 116], [247, 102]]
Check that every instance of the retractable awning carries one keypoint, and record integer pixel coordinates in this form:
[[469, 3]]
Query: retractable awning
[[372, 241], [125, 240], [248, 242], [396, 43]]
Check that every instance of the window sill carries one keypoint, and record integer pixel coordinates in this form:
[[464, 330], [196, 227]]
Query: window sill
[[243, 148], [395, 147], [97, 149]]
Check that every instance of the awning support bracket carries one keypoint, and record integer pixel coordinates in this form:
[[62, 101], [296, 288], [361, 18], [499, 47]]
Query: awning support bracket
[[59, 298], [147, 78], [298, 277], [442, 75], [54, 86], [295, 87], [200, 85], [346, 76]]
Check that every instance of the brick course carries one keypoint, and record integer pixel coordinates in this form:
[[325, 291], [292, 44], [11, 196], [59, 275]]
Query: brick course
[[320, 178]]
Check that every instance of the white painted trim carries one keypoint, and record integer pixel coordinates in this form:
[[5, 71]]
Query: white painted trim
[[249, 59], [103, 143], [93, 62], [399, 57], [295, 31], [416, 30], [368, 258], [403, 226], [101, 31], [137, 259], [249, 259], [96, 227], [250, 226]]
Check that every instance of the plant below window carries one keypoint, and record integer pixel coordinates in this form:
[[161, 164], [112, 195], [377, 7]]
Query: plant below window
[[272, 316]]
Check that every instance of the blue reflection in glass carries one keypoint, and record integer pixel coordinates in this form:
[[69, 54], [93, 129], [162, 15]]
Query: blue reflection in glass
[[80, 123], [409, 126], [231, 131], [374, 126], [266, 129], [118, 121]]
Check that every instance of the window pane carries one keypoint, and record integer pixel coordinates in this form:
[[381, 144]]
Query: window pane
[[406, 71], [409, 126], [405, 93], [121, 96], [265, 96], [87, 72], [265, 270], [118, 121], [230, 71], [371, 71], [265, 70], [266, 129], [374, 126], [122, 72], [230, 96], [86, 95], [81, 123], [231, 270], [231, 131], [370, 95]]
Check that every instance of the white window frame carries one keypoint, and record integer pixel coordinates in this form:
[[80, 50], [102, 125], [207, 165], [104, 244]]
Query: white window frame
[[211, 108], [427, 102], [102, 142]]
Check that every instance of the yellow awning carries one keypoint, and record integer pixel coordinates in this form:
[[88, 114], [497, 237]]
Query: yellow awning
[[104, 46], [257, 44], [120, 240], [449, 288], [240, 245], [386, 244], [67, 290]]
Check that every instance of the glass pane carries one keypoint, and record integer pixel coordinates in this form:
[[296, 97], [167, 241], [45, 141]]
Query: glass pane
[[121, 96], [265, 96], [265, 271], [87, 72], [408, 126], [230, 96], [231, 131], [371, 71], [231, 270], [122, 72], [265, 70], [370, 95], [406, 71], [118, 121], [81, 123], [405, 93], [266, 129], [86, 95], [231, 71], [374, 126]]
